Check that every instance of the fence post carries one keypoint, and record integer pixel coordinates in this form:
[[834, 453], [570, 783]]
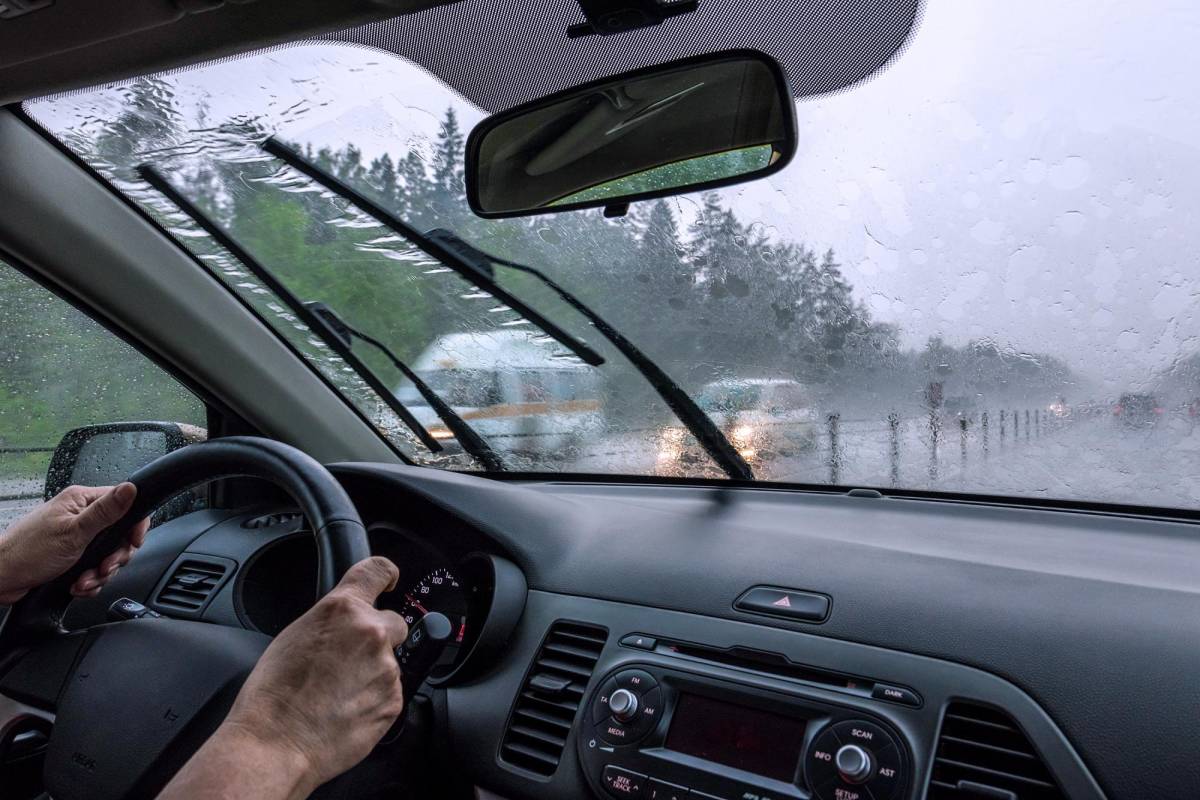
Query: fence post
[[834, 455], [962, 439], [984, 425], [1002, 426], [1016, 418], [935, 426], [1037, 422], [1027, 424], [894, 433]]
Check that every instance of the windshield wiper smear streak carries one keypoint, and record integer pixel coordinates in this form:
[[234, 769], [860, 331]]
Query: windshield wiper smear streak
[[431, 248], [314, 323]]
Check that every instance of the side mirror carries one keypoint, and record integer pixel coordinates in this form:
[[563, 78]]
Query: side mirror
[[684, 126], [102, 455]]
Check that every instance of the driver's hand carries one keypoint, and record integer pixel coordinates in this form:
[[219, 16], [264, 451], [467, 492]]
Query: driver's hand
[[328, 688], [48, 541]]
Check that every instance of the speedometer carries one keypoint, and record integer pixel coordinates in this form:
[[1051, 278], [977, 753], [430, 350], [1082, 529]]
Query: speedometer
[[438, 591]]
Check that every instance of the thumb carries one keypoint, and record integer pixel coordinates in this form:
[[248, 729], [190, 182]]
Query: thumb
[[369, 578], [106, 510]]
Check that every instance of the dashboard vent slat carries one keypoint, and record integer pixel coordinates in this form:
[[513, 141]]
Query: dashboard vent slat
[[543, 714], [192, 584], [982, 753]]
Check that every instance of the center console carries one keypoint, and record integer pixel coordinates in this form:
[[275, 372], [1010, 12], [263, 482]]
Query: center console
[[661, 733]]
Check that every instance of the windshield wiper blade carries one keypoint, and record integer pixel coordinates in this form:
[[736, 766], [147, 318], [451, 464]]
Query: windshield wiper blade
[[710, 437], [468, 437], [314, 323], [483, 279]]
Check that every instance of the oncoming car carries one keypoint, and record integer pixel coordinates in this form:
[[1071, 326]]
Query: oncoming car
[[764, 418]]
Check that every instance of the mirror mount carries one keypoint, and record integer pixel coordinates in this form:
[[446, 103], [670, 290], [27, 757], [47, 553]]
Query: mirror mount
[[606, 17]]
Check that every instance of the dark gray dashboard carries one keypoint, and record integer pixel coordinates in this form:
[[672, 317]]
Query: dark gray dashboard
[[1084, 629], [1096, 618]]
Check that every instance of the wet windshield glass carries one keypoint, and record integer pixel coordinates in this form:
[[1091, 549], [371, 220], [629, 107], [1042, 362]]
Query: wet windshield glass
[[977, 275]]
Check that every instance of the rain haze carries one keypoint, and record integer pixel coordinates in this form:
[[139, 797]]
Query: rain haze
[[1017, 184]]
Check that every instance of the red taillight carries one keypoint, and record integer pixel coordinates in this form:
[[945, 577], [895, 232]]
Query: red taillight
[[1158, 411], [1117, 410]]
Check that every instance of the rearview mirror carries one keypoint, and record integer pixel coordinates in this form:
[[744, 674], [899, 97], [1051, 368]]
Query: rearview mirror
[[680, 127]]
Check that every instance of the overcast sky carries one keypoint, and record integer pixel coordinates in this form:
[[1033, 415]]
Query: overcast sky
[[1025, 171]]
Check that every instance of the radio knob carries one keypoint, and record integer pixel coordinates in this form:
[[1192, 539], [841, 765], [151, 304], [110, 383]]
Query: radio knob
[[623, 705], [853, 762]]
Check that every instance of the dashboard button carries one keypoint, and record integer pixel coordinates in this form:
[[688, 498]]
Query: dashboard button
[[864, 734], [639, 641], [895, 694], [803, 606], [614, 732], [819, 765], [649, 711], [636, 680], [622, 782], [889, 775], [838, 789], [600, 704], [661, 790]]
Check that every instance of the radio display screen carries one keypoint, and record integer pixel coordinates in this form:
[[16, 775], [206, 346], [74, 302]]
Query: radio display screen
[[748, 739]]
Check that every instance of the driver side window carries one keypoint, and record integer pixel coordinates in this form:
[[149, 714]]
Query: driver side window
[[61, 370]]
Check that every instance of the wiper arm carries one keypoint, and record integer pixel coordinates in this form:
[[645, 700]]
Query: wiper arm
[[467, 436], [483, 279], [691, 415], [314, 323]]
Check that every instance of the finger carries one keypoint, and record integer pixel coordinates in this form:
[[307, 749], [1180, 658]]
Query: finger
[[369, 578], [87, 582], [105, 510], [397, 628], [115, 560], [137, 534]]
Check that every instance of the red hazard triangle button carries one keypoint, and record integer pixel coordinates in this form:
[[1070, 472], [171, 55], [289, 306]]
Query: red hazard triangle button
[[779, 601]]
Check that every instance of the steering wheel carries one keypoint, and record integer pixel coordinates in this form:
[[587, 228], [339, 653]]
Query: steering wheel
[[133, 700]]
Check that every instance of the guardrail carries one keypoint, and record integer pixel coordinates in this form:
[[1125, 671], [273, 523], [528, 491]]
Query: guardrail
[[935, 431]]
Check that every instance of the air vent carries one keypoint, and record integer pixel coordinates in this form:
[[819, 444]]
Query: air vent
[[192, 583], [545, 710], [288, 518], [983, 755]]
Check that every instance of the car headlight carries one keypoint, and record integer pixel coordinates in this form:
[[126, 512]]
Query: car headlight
[[743, 435]]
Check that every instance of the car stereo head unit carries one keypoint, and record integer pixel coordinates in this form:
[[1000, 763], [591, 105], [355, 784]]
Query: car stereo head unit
[[664, 734]]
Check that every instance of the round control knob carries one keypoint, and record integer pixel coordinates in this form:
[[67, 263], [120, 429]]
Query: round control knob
[[853, 762], [623, 705]]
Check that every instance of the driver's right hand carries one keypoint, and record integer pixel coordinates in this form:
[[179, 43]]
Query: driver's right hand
[[328, 688]]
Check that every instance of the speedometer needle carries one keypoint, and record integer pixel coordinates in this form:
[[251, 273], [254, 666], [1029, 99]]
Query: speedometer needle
[[415, 604]]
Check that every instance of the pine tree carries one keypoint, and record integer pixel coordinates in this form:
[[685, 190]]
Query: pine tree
[[448, 158], [382, 177]]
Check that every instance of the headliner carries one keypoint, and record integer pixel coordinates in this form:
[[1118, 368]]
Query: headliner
[[496, 53]]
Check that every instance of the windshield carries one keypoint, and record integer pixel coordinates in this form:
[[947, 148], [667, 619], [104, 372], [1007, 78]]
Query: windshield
[[977, 275]]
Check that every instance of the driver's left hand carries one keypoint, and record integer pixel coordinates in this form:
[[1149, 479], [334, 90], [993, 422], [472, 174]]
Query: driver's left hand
[[48, 541]]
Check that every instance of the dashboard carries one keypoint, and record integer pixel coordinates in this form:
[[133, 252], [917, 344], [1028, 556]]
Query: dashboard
[[667, 642]]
